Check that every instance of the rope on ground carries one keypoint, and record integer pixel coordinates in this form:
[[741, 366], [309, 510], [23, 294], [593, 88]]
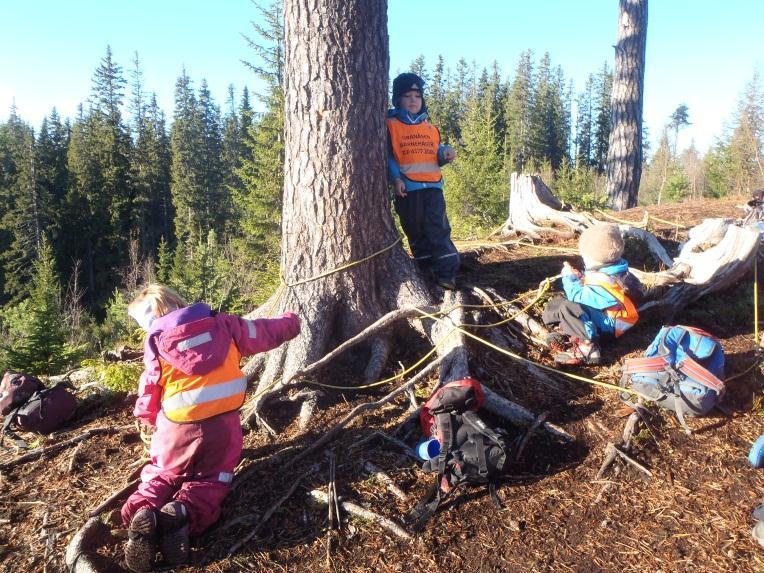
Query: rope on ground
[[537, 364]]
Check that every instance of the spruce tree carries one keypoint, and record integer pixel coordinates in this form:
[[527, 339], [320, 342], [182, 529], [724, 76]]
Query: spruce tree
[[43, 349], [518, 113], [602, 110]]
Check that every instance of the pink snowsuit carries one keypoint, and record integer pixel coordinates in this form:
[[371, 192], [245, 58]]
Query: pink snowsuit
[[194, 462]]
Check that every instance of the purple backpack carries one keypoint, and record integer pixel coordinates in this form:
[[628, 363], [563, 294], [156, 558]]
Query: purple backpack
[[27, 405]]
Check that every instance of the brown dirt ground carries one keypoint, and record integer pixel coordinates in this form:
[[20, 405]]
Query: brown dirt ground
[[694, 515]]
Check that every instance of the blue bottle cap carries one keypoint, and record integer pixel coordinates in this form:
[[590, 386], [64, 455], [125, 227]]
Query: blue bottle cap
[[756, 455], [428, 449]]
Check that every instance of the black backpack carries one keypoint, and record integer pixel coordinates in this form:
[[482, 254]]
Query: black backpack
[[471, 452]]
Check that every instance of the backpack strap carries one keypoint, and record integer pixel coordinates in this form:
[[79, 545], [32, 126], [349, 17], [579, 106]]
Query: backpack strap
[[6, 429], [445, 424], [678, 405]]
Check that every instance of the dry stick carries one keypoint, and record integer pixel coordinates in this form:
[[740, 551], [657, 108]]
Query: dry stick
[[633, 462], [331, 434], [362, 513], [386, 479], [271, 510], [114, 497], [34, 454], [531, 429], [405, 448], [73, 459], [610, 455]]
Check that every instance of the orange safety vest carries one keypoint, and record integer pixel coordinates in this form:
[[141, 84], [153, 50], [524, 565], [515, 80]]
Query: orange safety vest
[[415, 148], [193, 398], [624, 314]]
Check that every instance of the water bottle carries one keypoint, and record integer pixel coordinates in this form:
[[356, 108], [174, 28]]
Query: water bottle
[[756, 455]]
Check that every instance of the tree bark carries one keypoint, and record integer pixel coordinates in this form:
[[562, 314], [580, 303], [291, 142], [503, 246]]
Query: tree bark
[[336, 203], [624, 162]]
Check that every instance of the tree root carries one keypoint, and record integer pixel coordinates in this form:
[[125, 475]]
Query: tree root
[[332, 433], [76, 558], [364, 514]]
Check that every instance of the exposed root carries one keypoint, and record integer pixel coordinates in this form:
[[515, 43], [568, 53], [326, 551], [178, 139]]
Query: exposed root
[[380, 350], [332, 433], [86, 538]]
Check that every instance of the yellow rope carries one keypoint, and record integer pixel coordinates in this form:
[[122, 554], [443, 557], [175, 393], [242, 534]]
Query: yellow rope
[[537, 364], [343, 267], [642, 223], [672, 223]]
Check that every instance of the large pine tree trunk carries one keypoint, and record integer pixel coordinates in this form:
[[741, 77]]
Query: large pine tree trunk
[[336, 202], [624, 162]]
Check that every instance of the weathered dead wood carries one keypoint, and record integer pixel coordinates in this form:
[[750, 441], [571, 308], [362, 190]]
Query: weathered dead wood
[[500, 406], [40, 452], [530, 325], [270, 511], [357, 511], [650, 241], [533, 209], [717, 255], [76, 558], [385, 479]]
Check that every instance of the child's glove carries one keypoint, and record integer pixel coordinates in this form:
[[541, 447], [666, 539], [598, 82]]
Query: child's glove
[[292, 323]]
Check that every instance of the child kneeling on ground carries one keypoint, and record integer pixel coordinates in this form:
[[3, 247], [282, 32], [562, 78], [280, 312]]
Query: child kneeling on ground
[[190, 392], [598, 304]]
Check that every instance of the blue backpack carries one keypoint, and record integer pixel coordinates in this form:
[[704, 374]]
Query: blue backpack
[[682, 371]]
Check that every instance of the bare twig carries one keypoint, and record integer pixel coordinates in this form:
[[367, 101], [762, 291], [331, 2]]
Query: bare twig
[[270, 511], [40, 452], [362, 513], [633, 462]]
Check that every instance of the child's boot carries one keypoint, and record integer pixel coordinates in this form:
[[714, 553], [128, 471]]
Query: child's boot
[[174, 528], [141, 550], [579, 352]]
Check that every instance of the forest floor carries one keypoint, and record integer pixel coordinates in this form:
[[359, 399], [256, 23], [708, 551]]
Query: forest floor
[[693, 515]]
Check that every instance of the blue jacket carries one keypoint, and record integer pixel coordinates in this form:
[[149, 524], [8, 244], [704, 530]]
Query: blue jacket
[[393, 169], [595, 299]]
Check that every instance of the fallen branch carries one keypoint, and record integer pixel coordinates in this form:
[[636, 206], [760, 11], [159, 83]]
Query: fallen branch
[[270, 511], [633, 462], [128, 489], [386, 479], [365, 514], [39, 452]]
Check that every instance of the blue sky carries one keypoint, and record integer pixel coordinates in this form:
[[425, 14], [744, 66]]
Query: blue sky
[[698, 53]]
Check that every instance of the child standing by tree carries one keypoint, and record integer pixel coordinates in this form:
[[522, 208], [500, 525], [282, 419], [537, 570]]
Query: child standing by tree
[[190, 391], [598, 303], [415, 156]]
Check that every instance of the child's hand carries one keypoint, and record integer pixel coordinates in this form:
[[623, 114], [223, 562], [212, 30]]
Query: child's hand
[[567, 269], [293, 328], [400, 187], [449, 154]]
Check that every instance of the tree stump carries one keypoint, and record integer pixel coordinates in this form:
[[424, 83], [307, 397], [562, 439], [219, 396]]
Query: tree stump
[[533, 209]]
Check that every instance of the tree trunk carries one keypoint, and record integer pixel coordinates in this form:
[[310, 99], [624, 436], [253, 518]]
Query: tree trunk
[[336, 203], [624, 162]]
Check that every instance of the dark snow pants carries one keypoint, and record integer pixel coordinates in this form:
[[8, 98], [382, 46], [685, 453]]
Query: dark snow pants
[[423, 218], [570, 317]]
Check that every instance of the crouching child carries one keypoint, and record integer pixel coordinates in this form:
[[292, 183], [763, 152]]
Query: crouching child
[[599, 304], [190, 393]]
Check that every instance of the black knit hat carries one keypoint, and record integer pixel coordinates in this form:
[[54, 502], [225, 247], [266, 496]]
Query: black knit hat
[[406, 83]]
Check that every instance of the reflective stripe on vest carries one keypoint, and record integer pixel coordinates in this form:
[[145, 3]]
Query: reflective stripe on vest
[[624, 314], [415, 148], [193, 398]]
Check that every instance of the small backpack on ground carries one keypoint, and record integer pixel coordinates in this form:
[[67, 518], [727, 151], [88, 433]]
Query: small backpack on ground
[[471, 452], [34, 408], [682, 371]]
